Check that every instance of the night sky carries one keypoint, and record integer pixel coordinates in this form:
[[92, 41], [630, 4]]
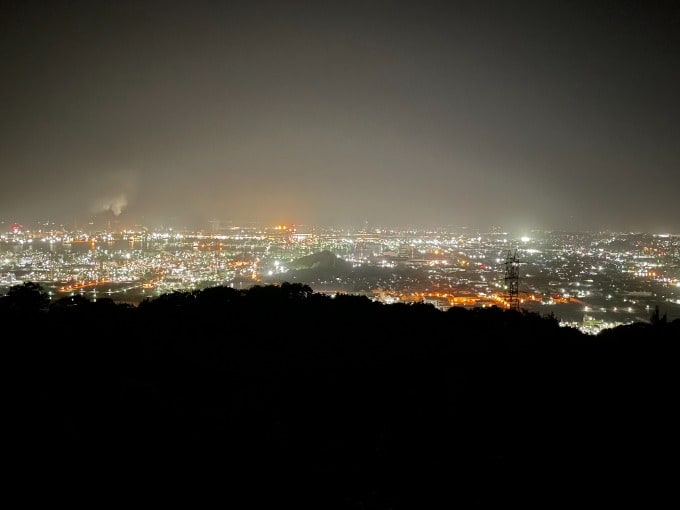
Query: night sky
[[557, 115]]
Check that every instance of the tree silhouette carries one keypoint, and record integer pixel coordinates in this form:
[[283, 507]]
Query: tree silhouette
[[353, 402], [28, 297], [657, 318]]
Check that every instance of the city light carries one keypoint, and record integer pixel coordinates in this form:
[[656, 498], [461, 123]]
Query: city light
[[572, 275]]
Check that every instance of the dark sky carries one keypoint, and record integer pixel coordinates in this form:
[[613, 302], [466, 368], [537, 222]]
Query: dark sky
[[559, 115]]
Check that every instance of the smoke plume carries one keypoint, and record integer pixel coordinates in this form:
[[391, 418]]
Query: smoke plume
[[115, 204]]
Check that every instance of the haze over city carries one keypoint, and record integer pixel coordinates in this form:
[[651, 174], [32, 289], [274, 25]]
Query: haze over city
[[554, 115]]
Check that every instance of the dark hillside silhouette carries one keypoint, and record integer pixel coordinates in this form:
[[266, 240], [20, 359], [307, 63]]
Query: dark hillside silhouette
[[277, 394]]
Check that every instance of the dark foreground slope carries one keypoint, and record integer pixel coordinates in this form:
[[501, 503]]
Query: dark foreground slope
[[280, 396]]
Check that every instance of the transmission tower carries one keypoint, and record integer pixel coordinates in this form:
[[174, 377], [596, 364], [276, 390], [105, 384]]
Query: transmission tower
[[512, 280]]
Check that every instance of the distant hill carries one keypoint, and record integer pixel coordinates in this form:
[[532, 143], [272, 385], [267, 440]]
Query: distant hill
[[321, 261], [318, 268], [326, 270]]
